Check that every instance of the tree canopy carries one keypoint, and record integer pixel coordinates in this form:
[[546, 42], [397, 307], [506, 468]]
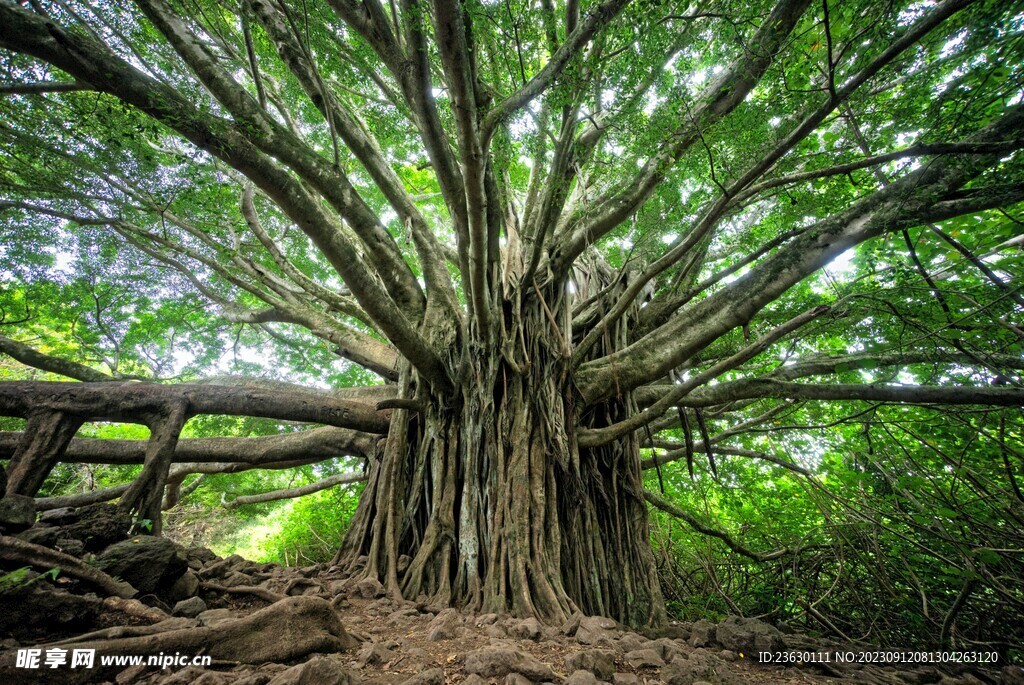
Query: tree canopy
[[753, 264]]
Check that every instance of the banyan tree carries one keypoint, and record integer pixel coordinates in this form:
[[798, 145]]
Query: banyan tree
[[548, 237]]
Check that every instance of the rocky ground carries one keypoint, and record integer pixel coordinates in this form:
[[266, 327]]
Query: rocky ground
[[266, 625]]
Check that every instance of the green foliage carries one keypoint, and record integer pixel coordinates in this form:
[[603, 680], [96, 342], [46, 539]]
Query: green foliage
[[21, 579]]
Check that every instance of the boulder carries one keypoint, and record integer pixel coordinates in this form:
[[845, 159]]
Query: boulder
[[97, 526], [444, 625], [368, 588], [667, 649], [374, 654], [702, 633], [700, 666], [45, 535], [151, 565], [319, 670], [495, 662], [593, 628], [58, 517], [529, 629], [516, 679], [598, 661], [290, 629], [189, 608], [17, 513], [570, 627], [748, 635], [644, 658], [184, 587], [75, 548], [581, 677], [433, 676]]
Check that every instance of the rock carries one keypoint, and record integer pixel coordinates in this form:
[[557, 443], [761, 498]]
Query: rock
[[201, 556], [727, 655], [748, 635], [374, 654], [698, 667], [98, 526], [189, 608], [433, 676], [17, 513], [581, 677], [592, 628], [496, 631], [58, 517], [73, 547], [238, 579], [219, 569], [702, 633], [667, 649], [150, 564], [516, 679], [530, 629], [492, 662], [630, 641], [442, 632], [446, 616], [443, 626], [599, 662], [474, 679], [644, 658], [288, 630], [319, 670], [570, 627], [368, 588], [675, 631], [625, 679], [486, 620], [41, 535], [186, 586]]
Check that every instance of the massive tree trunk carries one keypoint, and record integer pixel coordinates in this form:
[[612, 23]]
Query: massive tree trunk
[[483, 499]]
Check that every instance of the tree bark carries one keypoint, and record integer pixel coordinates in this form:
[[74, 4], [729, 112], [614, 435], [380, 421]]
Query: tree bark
[[490, 497]]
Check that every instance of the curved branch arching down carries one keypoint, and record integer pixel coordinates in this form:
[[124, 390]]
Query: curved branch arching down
[[300, 491]]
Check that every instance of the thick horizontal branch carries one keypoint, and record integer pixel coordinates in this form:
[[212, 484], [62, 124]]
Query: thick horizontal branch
[[176, 474], [600, 436], [907, 394], [43, 87], [135, 401], [291, 493], [317, 444]]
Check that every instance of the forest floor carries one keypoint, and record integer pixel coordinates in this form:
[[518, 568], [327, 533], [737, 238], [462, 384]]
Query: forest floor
[[262, 624]]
